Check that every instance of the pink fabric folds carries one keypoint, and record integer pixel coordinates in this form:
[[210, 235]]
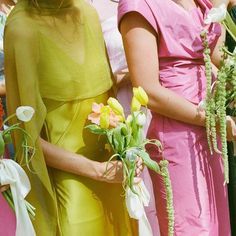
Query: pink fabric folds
[[200, 197]]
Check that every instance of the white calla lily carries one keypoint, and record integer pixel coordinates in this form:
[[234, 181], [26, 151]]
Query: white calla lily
[[216, 14], [131, 155], [141, 119], [24, 113], [135, 203]]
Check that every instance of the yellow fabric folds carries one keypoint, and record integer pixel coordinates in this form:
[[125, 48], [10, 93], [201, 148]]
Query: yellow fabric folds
[[55, 61], [85, 207]]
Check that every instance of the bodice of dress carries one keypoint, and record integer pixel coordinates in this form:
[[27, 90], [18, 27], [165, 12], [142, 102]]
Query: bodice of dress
[[69, 57], [180, 49]]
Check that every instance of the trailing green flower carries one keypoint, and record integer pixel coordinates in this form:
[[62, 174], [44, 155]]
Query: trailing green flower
[[216, 100]]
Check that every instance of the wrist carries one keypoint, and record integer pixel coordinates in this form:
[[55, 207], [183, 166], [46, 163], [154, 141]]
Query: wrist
[[201, 114], [97, 171], [202, 118]]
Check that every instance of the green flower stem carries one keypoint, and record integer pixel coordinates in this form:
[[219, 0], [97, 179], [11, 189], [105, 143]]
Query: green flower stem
[[169, 196], [8, 197], [9, 118], [230, 26], [216, 102]]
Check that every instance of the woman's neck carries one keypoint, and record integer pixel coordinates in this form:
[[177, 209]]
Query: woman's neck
[[53, 3]]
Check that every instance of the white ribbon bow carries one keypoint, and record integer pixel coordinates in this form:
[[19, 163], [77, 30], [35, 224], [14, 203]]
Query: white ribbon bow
[[11, 173], [135, 203]]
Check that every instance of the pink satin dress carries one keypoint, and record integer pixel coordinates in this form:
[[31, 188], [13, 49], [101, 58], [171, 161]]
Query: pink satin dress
[[7, 219], [200, 197]]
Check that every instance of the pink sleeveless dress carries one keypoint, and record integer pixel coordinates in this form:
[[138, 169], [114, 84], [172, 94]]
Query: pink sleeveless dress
[[7, 219], [200, 197]]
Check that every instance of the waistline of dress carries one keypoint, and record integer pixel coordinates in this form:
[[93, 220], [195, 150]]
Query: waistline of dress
[[176, 62]]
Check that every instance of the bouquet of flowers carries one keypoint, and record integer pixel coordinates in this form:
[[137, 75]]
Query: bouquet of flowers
[[221, 94], [12, 174], [125, 138]]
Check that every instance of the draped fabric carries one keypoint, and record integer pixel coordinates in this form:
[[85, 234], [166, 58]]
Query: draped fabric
[[53, 51]]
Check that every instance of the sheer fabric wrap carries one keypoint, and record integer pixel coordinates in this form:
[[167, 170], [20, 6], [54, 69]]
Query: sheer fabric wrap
[[47, 48]]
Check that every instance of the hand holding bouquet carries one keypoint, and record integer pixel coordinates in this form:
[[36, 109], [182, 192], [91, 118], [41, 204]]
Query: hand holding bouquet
[[125, 139]]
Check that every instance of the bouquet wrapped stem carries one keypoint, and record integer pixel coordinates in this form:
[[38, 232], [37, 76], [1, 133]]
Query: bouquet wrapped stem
[[125, 137]]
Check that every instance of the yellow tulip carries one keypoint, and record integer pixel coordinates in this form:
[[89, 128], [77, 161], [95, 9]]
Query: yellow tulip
[[105, 109], [115, 106], [105, 117], [141, 95], [121, 118], [135, 105]]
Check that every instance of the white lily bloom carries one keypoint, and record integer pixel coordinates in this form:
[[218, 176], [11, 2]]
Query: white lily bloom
[[216, 14], [135, 203], [131, 155], [141, 119], [24, 113]]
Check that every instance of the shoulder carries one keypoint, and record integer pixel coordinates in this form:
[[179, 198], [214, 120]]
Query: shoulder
[[142, 7], [20, 26]]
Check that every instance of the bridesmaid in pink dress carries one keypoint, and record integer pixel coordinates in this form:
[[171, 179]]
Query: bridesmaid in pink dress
[[165, 56]]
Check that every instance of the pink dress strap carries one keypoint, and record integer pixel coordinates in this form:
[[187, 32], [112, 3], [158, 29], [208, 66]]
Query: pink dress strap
[[139, 6]]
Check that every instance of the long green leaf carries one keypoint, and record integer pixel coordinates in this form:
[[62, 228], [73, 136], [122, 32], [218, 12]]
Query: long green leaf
[[148, 161]]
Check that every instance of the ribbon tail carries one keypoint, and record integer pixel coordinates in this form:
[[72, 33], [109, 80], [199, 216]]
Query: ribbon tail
[[144, 226], [24, 225], [11, 173], [135, 203]]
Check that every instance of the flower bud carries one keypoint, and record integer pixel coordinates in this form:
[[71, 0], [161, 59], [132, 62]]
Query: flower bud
[[216, 14], [141, 119], [104, 120], [140, 95], [129, 119], [24, 113], [115, 106], [135, 105], [131, 155]]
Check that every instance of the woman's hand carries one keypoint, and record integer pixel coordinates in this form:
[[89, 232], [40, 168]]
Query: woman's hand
[[231, 128], [59, 158], [112, 172], [3, 188]]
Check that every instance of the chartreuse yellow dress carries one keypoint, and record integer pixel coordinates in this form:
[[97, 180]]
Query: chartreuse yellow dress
[[56, 62]]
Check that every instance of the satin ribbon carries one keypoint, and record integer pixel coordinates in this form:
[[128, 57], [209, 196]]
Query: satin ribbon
[[135, 203], [11, 173]]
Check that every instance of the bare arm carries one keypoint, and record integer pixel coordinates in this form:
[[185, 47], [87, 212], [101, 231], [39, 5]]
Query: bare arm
[[61, 159], [140, 42]]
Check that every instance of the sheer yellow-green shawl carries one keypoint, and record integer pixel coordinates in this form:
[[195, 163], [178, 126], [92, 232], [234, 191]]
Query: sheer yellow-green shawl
[[52, 51]]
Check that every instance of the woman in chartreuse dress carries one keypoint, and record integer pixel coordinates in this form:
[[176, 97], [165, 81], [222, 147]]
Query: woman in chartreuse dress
[[56, 62]]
